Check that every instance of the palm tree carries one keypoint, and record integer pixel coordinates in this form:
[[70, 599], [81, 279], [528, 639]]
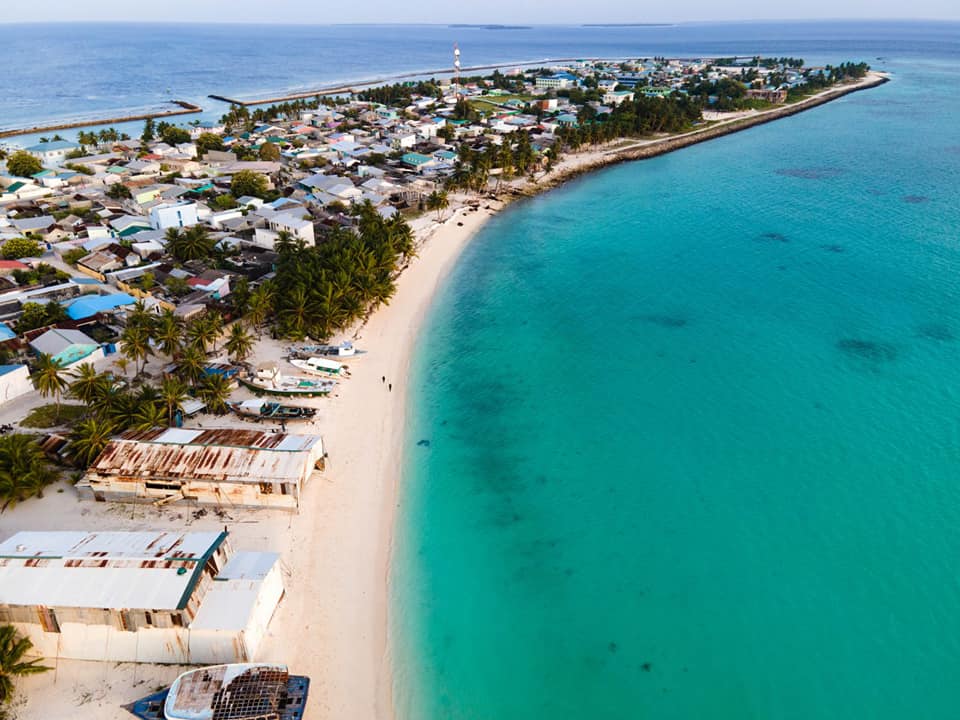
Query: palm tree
[[88, 439], [150, 415], [214, 322], [140, 317], [173, 393], [49, 378], [135, 346], [24, 471], [122, 364], [169, 333], [191, 363], [204, 331], [261, 303], [239, 343], [296, 311], [438, 200], [89, 383], [215, 390], [13, 648]]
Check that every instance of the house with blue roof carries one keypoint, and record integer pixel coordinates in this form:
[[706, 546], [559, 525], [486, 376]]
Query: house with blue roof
[[89, 305], [53, 152]]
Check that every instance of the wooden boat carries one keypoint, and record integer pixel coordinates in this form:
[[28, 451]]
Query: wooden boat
[[269, 379], [318, 366], [267, 410], [343, 350]]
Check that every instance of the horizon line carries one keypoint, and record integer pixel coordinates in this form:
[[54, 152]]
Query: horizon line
[[484, 25]]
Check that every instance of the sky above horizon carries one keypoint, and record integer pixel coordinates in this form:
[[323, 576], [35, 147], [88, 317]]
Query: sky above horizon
[[489, 11]]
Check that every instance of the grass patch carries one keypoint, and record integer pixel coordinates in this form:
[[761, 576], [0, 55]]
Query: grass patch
[[46, 416]]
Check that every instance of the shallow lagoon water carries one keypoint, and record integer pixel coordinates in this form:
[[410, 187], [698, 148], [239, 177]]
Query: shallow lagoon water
[[684, 439]]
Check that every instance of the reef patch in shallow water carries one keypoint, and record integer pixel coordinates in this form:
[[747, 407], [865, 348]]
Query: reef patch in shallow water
[[774, 237], [824, 173], [871, 350], [665, 321]]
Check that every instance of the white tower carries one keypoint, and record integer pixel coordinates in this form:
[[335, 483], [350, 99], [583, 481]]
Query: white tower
[[456, 70]]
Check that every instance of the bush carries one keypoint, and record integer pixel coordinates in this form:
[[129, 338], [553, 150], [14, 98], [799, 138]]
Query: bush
[[72, 257], [21, 247], [23, 164], [247, 182]]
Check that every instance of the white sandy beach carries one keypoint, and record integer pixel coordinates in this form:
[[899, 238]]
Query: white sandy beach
[[332, 623]]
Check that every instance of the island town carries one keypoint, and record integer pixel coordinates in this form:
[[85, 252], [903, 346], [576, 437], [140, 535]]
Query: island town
[[191, 364]]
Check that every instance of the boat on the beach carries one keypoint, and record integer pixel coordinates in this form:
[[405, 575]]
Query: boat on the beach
[[318, 366], [343, 350], [269, 410], [239, 691], [271, 380]]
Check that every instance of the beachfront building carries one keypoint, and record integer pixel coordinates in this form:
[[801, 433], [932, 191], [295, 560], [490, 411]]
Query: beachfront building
[[151, 596], [53, 152], [219, 467]]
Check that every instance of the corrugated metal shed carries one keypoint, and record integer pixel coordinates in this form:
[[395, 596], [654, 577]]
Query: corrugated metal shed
[[235, 456], [111, 570]]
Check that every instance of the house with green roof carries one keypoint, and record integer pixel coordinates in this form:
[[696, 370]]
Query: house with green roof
[[418, 161]]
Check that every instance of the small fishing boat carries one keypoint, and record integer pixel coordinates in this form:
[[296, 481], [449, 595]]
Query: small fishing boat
[[343, 350], [269, 379], [318, 366], [267, 410]]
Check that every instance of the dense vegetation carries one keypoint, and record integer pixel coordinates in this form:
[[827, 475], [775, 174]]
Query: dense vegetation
[[322, 289], [400, 94]]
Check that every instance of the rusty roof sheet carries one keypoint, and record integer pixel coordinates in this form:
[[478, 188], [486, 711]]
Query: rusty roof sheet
[[225, 437], [115, 570], [237, 456]]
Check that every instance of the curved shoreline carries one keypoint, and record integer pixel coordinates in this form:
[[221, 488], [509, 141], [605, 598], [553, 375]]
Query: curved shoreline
[[187, 108], [440, 247]]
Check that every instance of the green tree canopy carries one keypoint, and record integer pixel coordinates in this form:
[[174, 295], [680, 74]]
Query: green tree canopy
[[23, 164], [207, 142], [21, 247], [247, 182]]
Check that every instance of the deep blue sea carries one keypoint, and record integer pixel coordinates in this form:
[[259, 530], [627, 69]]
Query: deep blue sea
[[685, 436]]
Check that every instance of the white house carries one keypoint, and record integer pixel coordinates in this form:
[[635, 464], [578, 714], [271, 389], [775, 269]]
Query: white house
[[296, 225], [53, 152], [14, 382], [173, 215], [617, 97]]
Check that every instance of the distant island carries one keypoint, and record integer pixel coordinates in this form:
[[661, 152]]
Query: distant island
[[491, 27], [615, 25]]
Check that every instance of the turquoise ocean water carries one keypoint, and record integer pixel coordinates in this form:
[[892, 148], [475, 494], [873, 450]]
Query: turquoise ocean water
[[685, 433]]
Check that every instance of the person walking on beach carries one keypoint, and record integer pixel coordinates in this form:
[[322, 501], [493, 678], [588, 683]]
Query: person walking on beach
[[390, 387], [383, 378]]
